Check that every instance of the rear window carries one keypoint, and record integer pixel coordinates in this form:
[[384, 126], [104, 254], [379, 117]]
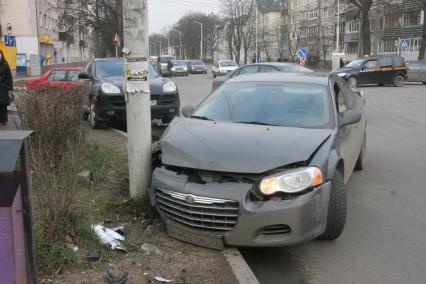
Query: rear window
[[398, 61], [73, 75]]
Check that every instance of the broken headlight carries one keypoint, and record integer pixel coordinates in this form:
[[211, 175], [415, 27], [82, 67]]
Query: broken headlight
[[291, 181]]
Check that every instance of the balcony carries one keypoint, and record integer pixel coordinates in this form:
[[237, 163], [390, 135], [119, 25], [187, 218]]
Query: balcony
[[403, 32]]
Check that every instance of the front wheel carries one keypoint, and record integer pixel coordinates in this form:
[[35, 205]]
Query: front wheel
[[398, 81], [336, 216], [424, 83], [95, 123], [353, 82]]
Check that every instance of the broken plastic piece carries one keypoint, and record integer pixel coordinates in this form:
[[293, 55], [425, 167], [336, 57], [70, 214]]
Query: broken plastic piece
[[117, 280], [162, 280], [151, 249], [109, 237], [93, 255]]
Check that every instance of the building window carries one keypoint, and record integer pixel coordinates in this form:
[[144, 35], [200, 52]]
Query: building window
[[381, 23], [392, 21], [352, 26], [412, 19]]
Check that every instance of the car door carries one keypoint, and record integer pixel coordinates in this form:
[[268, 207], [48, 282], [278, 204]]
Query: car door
[[369, 72], [387, 70], [347, 141], [413, 71]]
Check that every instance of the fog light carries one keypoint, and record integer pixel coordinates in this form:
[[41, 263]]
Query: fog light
[[172, 110], [111, 112]]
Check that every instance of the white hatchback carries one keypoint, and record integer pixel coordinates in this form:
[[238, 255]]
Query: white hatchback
[[223, 67]]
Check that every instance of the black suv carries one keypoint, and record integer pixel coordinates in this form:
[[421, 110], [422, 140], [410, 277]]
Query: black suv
[[380, 70], [107, 101]]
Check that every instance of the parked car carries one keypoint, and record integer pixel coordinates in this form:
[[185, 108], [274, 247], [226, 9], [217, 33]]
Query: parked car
[[260, 68], [162, 64], [106, 101], [416, 71], [380, 70], [223, 67], [197, 67], [178, 67], [64, 77], [262, 161]]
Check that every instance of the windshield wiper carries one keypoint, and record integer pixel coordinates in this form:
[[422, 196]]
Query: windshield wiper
[[256, 123], [202, 117]]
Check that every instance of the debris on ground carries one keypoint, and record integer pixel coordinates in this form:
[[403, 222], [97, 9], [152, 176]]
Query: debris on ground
[[93, 255], [85, 176], [109, 237], [151, 249], [120, 229], [117, 280], [162, 280], [147, 222]]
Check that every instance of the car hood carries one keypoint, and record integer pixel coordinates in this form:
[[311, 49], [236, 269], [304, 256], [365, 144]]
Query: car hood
[[237, 148], [156, 84], [346, 70]]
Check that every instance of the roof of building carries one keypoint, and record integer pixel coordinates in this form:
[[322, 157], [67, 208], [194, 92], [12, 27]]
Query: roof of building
[[266, 6]]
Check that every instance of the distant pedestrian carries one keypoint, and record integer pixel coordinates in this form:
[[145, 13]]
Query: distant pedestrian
[[253, 60], [6, 85], [342, 63]]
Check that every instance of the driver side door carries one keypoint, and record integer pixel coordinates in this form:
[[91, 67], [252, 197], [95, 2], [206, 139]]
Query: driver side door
[[369, 72]]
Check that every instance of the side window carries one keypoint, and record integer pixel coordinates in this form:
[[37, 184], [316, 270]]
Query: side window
[[59, 76], [414, 65], [371, 65], [73, 75], [51, 76], [268, 69], [386, 62], [398, 61]]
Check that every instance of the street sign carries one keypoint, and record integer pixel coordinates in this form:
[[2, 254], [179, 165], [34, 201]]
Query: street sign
[[10, 40], [303, 52], [347, 38], [403, 43], [302, 60]]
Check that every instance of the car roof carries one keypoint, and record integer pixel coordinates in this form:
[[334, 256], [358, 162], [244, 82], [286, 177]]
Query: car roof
[[308, 78], [67, 68]]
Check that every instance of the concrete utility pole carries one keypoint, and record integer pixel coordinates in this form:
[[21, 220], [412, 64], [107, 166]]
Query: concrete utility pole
[[201, 44], [338, 28], [180, 42], [138, 100], [257, 32]]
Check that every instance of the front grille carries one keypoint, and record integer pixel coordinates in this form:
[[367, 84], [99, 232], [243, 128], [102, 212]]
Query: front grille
[[116, 98], [196, 212]]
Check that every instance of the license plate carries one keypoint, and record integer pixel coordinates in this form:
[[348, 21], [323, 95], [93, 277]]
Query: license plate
[[194, 237], [153, 103]]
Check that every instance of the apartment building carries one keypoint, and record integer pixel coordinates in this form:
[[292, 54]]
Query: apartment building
[[41, 29]]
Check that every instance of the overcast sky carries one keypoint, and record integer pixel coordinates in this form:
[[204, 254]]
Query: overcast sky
[[164, 13]]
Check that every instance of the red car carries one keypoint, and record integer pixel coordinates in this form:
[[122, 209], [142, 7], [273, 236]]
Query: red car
[[66, 77]]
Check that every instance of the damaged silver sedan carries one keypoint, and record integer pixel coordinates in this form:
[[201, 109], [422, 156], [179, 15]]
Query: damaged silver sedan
[[262, 161]]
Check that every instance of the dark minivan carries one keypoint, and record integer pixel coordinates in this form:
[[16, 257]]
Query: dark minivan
[[380, 70]]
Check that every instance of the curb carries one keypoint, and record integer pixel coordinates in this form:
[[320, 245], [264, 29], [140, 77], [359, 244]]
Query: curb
[[239, 267]]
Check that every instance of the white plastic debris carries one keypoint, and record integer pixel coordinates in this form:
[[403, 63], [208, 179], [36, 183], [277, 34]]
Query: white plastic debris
[[109, 237], [162, 280]]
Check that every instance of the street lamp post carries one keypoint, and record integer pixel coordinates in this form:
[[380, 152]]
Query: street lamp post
[[180, 42], [168, 45], [201, 44]]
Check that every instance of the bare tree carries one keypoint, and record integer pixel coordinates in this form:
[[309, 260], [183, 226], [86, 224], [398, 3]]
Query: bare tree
[[364, 44]]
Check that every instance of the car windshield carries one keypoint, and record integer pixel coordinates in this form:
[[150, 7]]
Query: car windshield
[[115, 68], [197, 62], [356, 63], [228, 63], [109, 68], [166, 59], [178, 63], [294, 68], [299, 105]]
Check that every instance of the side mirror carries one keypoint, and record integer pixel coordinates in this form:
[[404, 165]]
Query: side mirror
[[358, 92], [187, 111], [349, 117], [84, 76]]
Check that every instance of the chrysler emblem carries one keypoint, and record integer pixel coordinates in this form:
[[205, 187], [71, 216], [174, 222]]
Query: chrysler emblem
[[189, 199]]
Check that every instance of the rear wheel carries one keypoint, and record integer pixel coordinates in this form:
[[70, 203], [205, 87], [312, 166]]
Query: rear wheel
[[398, 81], [424, 83], [336, 216], [352, 81]]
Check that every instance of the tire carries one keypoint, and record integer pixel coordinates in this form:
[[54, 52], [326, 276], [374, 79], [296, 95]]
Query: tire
[[424, 83], [214, 75], [336, 216], [398, 81], [381, 85], [360, 163], [95, 123], [352, 81]]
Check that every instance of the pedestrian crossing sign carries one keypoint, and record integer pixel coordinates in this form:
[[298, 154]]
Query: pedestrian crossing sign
[[403, 43]]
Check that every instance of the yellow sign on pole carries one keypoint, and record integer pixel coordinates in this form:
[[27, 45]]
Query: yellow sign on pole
[[9, 54]]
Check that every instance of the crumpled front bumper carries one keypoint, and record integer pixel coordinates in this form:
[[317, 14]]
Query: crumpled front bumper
[[305, 215]]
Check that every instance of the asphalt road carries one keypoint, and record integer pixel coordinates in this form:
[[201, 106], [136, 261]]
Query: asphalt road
[[384, 240]]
